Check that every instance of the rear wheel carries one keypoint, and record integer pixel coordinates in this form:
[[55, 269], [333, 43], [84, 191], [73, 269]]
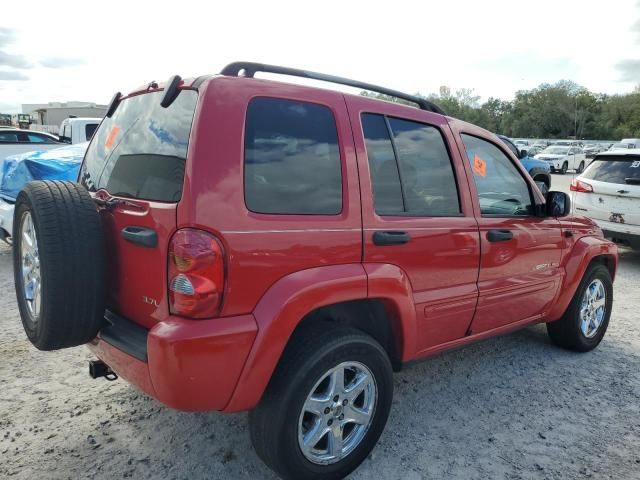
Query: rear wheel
[[585, 322], [58, 264], [580, 167], [326, 405]]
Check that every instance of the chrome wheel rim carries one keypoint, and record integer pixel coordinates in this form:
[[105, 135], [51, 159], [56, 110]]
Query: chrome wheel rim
[[337, 413], [593, 308], [30, 262]]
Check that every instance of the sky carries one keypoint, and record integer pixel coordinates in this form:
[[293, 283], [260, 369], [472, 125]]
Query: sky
[[87, 50]]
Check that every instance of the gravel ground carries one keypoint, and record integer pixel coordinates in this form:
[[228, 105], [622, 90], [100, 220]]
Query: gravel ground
[[513, 407]]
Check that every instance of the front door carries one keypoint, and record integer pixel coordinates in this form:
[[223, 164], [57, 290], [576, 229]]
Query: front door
[[520, 262], [414, 215]]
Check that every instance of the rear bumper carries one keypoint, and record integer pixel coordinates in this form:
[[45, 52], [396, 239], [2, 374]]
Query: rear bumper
[[617, 227], [621, 232], [190, 365]]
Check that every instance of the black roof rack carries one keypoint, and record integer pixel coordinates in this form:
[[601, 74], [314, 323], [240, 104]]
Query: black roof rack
[[250, 69]]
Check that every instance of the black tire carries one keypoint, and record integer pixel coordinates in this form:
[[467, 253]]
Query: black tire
[[580, 167], [565, 167], [71, 264], [274, 422], [566, 332]]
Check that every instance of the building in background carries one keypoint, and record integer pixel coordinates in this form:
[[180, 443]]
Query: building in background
[[53, 113]]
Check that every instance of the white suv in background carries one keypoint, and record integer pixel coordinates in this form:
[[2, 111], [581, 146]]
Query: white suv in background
[[609, 192], [562, 158]]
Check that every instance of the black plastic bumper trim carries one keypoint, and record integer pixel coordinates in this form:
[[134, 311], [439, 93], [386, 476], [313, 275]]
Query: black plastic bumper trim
[[125, 335]]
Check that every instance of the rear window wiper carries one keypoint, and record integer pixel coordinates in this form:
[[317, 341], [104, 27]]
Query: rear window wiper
[[632, 180], [108, 201]]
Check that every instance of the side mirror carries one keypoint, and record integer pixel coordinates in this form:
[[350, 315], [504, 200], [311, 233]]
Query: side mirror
[[558, 204], [523, 153]]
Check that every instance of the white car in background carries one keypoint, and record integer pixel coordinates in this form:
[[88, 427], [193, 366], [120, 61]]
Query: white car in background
[[609, 192], [15, 140], [563, 158], [626, 144]]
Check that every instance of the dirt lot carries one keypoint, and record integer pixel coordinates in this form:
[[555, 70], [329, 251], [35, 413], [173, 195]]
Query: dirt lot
[[514, 407]]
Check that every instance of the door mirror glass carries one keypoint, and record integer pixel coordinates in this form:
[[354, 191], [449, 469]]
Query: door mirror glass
[[558, 204]]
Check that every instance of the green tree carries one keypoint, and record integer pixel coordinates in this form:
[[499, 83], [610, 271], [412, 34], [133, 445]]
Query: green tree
[[561, 110]]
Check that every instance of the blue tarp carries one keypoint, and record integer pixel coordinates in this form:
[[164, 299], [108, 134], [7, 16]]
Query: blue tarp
[[57, 164]]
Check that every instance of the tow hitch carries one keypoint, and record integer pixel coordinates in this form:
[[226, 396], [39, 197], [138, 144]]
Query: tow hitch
[[97, 369]]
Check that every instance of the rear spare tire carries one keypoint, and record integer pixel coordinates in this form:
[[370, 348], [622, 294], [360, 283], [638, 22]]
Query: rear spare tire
[[58, 264]]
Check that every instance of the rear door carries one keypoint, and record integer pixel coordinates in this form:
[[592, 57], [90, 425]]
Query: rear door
[[520, 263], [616, 189], [414, 214], [135, 163]]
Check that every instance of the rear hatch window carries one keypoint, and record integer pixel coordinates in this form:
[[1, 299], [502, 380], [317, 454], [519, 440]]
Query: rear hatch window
[[140, 152], [620, 170]]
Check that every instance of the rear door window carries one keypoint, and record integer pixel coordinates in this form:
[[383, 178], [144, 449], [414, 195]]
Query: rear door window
[[140, 152], [291, 158], [614, 170], [411, 171]]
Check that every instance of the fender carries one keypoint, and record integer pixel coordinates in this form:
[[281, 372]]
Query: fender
[[575, 263], [390, 284], [278, 313]]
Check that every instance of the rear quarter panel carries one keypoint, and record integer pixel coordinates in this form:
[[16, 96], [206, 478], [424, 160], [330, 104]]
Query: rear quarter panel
[[262, 248]]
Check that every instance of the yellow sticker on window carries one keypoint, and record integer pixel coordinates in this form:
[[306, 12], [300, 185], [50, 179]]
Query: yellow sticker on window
[[111, 138], [479, 166]]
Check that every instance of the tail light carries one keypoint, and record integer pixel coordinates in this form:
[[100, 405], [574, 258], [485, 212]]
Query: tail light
[[196, 274], [580, 186]]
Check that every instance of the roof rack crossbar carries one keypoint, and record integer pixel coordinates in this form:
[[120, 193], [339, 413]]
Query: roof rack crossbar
[[250, 68]]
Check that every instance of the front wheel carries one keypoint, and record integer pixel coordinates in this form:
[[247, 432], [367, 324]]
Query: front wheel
[[585, 322], [565, 167], [326, 405]]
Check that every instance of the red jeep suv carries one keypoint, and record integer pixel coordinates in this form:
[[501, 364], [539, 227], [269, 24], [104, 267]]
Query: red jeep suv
[[236, 243]]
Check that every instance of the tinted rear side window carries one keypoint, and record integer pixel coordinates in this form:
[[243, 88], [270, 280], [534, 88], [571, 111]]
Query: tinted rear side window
[[291, 158], [614, 171], [387, 191], [140, 152], [411, 171]]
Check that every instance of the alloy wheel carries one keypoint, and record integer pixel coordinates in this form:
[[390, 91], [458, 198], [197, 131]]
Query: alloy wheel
[[30, 261], [593, 308], [337, 413]]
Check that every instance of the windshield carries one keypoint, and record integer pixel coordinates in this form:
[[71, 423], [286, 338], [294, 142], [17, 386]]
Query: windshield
[[140, 152], [556, 150], [622, 145]]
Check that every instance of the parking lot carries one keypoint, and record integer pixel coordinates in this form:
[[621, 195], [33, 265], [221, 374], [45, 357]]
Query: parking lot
[[513, 407]]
